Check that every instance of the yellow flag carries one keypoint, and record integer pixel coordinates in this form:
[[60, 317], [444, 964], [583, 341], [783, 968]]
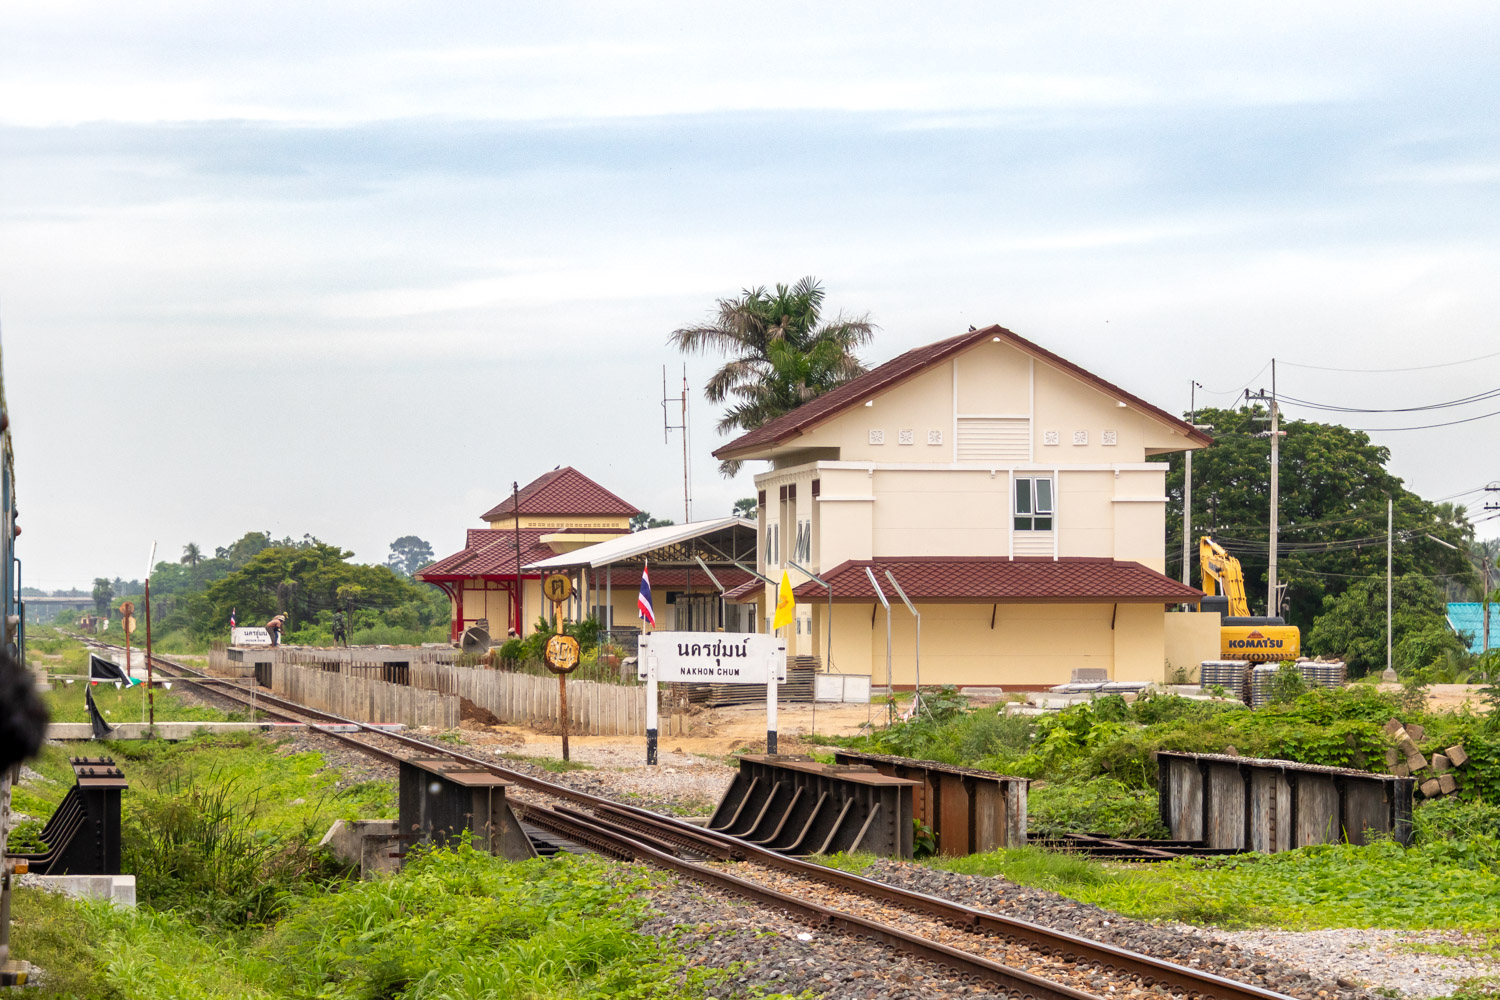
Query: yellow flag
[[786, 605]]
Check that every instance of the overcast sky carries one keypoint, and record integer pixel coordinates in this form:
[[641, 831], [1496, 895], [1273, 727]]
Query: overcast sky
[[350, 269]]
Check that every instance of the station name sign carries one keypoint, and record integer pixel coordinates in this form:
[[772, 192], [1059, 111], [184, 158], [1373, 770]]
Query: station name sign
[[249, 636], [712, 657]]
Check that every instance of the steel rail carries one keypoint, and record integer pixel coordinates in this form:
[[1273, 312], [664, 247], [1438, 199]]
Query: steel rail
[[1016, 982], [1149, 970]]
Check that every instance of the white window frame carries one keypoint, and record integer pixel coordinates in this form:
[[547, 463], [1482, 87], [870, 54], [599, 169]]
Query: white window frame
[[1029, 506]]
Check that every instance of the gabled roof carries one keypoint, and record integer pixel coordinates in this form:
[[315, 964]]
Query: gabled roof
[[490, 553], [996, 579], [914, 362], [637, 543], [562, 492]]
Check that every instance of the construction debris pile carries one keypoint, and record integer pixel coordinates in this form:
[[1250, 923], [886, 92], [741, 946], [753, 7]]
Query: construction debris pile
[[1405, 759]]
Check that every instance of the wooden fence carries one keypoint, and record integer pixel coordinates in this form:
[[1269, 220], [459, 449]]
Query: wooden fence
[[594, 709], [365, 700]]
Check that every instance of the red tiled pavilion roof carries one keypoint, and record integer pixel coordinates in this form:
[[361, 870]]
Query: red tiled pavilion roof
[[913, 362], [996, 579], [746, 592], [490, 552], [562, 492]]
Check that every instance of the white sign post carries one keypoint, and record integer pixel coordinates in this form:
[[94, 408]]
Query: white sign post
[[710, 658]]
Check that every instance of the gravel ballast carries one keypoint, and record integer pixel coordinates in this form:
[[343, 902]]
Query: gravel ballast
[[1348, 964]]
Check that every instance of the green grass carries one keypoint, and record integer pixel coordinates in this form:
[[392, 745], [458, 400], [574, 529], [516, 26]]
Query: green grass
[[1449, 885], [554, 764], [123, 704], [450, 925]]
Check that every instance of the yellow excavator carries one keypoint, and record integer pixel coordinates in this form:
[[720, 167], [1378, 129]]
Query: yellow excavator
[[1241, 636]]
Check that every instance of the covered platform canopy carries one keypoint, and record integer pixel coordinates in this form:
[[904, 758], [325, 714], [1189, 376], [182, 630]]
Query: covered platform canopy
[[691, 566]]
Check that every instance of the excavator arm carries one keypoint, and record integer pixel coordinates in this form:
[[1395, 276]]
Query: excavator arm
[[1223, 569]]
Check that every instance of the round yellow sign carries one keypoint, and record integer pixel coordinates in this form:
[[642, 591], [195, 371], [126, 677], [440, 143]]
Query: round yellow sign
[[562, 654], [557, 587]]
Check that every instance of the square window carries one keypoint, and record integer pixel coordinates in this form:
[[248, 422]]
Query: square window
[[1050, 437], [1109, 438], [1080, 437], [877, 437], [1033, 509], [934, 437], [906, 436]]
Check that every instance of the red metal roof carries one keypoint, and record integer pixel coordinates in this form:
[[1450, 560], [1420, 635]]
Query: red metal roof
[[747, 592], [490, 553], [996, 579], [913, 362], [562, 492]]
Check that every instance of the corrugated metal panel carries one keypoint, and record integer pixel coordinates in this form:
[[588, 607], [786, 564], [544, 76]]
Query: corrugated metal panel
[[990, 439], [1033, 543]]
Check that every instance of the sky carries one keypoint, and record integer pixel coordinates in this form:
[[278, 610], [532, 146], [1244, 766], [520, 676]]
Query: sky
[[352, 269]]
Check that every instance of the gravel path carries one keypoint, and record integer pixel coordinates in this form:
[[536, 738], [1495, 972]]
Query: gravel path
[[1186, 946], [1383, 958]]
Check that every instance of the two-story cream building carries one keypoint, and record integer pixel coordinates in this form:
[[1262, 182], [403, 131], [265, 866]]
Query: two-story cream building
[[1009, 493]]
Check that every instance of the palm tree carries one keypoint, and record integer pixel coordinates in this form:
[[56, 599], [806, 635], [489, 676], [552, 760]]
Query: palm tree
[[191, 554], [780, 353]]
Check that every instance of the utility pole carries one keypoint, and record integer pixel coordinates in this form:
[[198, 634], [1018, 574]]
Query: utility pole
[[1273, 594], [1273, 591], [1187, 486], [1390, 508], [1484, 598], [668, 427]]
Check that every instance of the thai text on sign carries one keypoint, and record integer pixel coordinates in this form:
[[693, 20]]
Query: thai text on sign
[[712, 657]]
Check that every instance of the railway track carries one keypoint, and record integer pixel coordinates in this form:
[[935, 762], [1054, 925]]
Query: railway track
[[1018, 957]]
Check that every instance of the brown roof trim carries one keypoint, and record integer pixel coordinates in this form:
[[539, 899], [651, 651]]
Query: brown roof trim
[[914, 362], [1003, 580]]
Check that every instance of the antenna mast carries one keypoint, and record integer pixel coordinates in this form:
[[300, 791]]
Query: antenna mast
[[668, 427]]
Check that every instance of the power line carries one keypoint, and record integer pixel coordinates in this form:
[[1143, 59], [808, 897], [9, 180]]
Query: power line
[[1236, 391], [1426, 427], [1377, 371], [1478, 397]]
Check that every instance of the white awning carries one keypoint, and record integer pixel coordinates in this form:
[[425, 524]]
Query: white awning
[[637, 544]]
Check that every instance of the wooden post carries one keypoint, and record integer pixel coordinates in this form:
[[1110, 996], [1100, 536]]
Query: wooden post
[[562, 684]]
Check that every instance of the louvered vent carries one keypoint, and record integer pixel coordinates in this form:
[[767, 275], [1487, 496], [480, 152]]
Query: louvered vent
[[994, 439]]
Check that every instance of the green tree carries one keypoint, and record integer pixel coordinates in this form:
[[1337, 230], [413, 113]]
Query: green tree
[[1334, 485], [305, 581], [242, 551], [103, 594], [1352, 626], [191, 555], [781, 353], [747, 507], [644, 520], [409, 554]]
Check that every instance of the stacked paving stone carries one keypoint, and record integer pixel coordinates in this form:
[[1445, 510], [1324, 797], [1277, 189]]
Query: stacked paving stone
[[1406, 759]]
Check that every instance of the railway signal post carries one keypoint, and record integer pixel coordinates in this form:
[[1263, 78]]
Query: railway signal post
[[562, 652]]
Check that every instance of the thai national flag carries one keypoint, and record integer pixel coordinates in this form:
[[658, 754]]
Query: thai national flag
[[643, 600], [231, 616]]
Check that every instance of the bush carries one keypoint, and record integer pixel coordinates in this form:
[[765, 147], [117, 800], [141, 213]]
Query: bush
[[1099, 805]]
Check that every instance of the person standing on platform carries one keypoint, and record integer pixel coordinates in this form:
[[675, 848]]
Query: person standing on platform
[[274, 627], [340, 632]]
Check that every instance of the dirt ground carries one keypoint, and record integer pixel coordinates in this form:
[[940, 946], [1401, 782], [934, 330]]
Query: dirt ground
[[1448, 697], [713, 732]]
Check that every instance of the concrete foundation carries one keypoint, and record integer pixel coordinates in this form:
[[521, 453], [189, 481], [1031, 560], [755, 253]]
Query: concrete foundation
[[370, 843], [118, 889]]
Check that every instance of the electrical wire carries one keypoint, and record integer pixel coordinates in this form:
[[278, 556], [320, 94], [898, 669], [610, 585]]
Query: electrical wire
[[1478, 397], [1376, 371], [1426, 427], [1237, 391]]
